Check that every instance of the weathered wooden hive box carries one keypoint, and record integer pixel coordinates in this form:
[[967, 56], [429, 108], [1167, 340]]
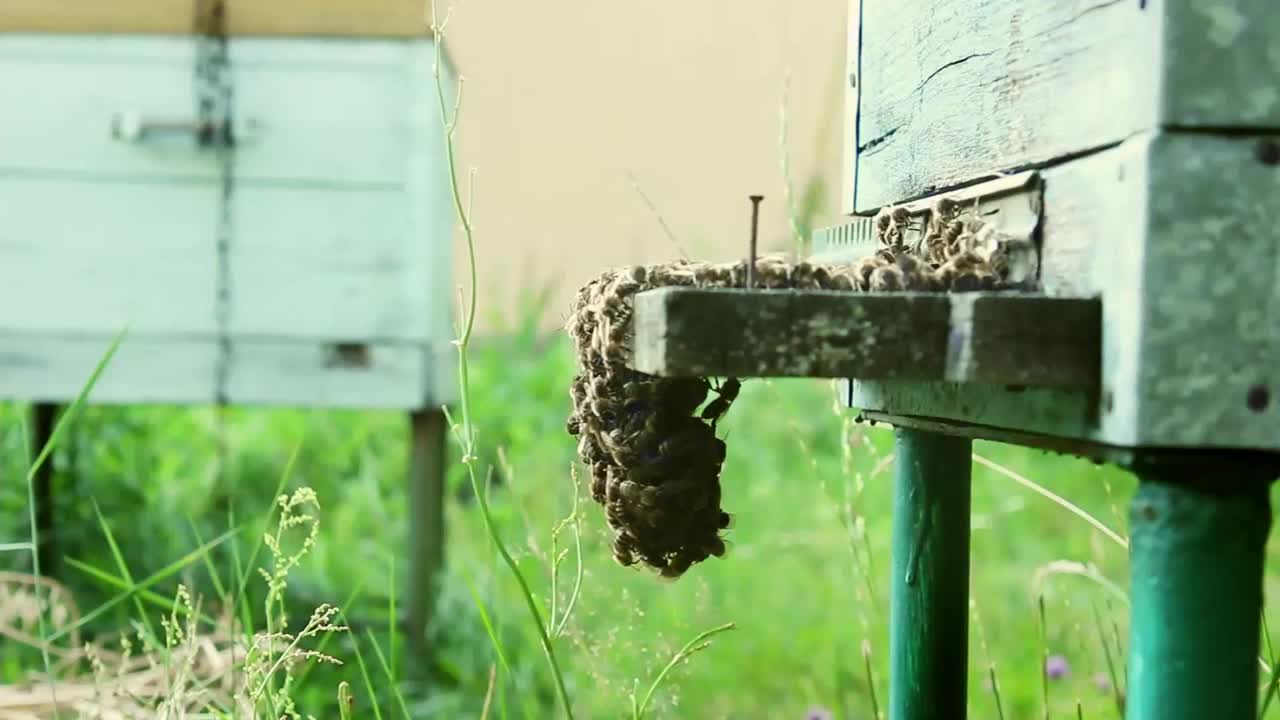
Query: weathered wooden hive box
[[257, 190], [1135, 142]]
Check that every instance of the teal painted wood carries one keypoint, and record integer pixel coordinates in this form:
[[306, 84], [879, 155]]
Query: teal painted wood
[[1188, 359], [71, 88], [929, 601], [341, 223], [1197, 539], [100, 254], [425, 492], [952, 91]]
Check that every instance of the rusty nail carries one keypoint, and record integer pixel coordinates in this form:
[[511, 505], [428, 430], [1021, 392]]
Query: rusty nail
[[1268, 152], [755, 230]]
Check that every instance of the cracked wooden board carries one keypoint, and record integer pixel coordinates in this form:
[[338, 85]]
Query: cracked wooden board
[[950, 92]]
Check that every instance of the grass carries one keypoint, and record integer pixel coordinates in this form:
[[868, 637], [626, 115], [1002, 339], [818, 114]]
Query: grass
[[188, 498], [803, 583]]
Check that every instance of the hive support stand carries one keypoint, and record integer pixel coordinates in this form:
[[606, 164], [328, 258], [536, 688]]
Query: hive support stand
[[425, 485], [43, 418], [1198, 533], [929, 600], [426, 530]]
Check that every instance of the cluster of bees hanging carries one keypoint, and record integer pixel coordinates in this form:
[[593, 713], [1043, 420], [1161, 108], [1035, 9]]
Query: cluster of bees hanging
[[651, 442]]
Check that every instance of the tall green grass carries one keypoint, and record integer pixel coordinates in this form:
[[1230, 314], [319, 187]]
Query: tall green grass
[[804, 581]]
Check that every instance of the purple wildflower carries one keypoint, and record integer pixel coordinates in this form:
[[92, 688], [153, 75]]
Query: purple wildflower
[[1056, 667], [818, 713], [1102, 682]]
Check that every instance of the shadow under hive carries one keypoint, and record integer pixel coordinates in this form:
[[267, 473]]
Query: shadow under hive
[[650, 442]]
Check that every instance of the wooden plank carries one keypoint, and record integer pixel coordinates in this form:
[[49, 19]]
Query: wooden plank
[[1209, 370], [43, 367], [103, 255], [952, 91], [432, 216], [739, 333], [1020, 340], [852, 95], [349, 273], [1170, 231], [307, 116], [71, 101], [177, 369], [1060, 412], [972, 338], [278, 372], [247, 17], [1220, 64]]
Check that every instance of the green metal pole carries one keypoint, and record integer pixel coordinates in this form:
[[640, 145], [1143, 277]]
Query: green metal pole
[[929, 603], [1198, 533]]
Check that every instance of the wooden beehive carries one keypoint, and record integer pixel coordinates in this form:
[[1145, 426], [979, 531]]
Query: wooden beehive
[[1149, 127], [258, 192], [303, 260], [1134, 146]]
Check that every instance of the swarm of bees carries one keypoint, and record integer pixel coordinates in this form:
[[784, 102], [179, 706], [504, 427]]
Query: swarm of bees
[[651, 442]]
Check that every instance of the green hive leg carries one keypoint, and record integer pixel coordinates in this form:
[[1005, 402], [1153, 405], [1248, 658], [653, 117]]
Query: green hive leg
[[929, 606], [1198, 532]]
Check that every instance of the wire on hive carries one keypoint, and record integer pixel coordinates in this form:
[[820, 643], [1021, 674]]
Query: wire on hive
[[651, 442]]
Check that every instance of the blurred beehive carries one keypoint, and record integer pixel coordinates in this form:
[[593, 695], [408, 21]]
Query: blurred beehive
[[257, 190], [300, 257]]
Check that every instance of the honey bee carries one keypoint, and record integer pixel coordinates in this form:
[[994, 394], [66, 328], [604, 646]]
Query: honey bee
[[886, 279], [727, 392], [865, 267]]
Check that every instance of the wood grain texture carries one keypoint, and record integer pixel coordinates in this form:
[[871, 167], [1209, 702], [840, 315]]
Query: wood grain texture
[[278, 372], [176, 369], [347, 273], [44, 367], [1220, 63], [312, 117], [246, 17], [960, 338], [1209, 369], [738, 333], [1172, 231], [340, 223], [71, 91], [952, 91], [1019, 340], [92, 256]]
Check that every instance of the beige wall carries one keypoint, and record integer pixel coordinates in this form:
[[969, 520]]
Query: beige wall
[[563, 98]]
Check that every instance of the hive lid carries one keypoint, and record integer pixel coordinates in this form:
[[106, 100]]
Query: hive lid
[[343, 18]]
